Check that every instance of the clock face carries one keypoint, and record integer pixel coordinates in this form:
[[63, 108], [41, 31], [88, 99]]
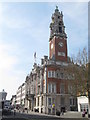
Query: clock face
[[60, 44]]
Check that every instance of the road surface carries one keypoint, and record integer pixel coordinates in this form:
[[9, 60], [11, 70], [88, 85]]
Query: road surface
[[35, 116]]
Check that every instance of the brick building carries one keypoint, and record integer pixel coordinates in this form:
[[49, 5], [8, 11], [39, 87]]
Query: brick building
[[49, 85]]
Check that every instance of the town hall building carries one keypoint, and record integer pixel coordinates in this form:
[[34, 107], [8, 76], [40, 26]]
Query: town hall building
[[49, 85]]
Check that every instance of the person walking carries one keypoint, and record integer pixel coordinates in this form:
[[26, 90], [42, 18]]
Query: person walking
[[14, 112], [84, 112]]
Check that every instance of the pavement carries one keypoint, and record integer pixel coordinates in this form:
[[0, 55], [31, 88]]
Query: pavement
[[72, 114]]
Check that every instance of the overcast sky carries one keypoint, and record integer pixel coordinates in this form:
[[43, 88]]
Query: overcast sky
[[24, 30]]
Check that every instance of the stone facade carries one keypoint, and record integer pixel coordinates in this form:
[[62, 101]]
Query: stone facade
[[49, 88], [13, 100], [20, 96]]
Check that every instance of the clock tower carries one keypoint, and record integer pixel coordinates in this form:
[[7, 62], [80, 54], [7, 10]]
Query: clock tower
[[58, 38]]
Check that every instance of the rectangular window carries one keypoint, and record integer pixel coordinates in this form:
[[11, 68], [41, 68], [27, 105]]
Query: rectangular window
[[62, 100], [49, 74], [52, 73], [42, 100], [62, 88], [53, 100], [70, 90], [70, 101], [60, 29], [49, 88], [49, 101], [53, 88], [73, 101], [32, 89], [61, 74]]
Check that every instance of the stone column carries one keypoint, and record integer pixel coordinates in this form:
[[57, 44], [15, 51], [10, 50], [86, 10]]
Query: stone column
[[40, 104], [36, 102]]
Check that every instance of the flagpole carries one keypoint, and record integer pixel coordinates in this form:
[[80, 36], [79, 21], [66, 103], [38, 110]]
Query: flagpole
[[35, 57]]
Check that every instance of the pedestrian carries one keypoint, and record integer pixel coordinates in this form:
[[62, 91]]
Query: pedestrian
[[84, 112], [19, 110], [62, 111], [14, 113], [27, 110]]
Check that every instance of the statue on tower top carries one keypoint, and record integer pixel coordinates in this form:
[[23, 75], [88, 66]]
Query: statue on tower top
[[56, 8]]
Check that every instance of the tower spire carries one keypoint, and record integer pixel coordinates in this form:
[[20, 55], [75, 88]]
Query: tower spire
[[57, 27]]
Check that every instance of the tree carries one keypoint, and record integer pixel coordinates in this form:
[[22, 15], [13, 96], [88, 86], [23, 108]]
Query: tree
[[80, 70]]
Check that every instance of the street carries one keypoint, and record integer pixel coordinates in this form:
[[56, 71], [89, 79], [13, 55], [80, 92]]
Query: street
[[23, 116]]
